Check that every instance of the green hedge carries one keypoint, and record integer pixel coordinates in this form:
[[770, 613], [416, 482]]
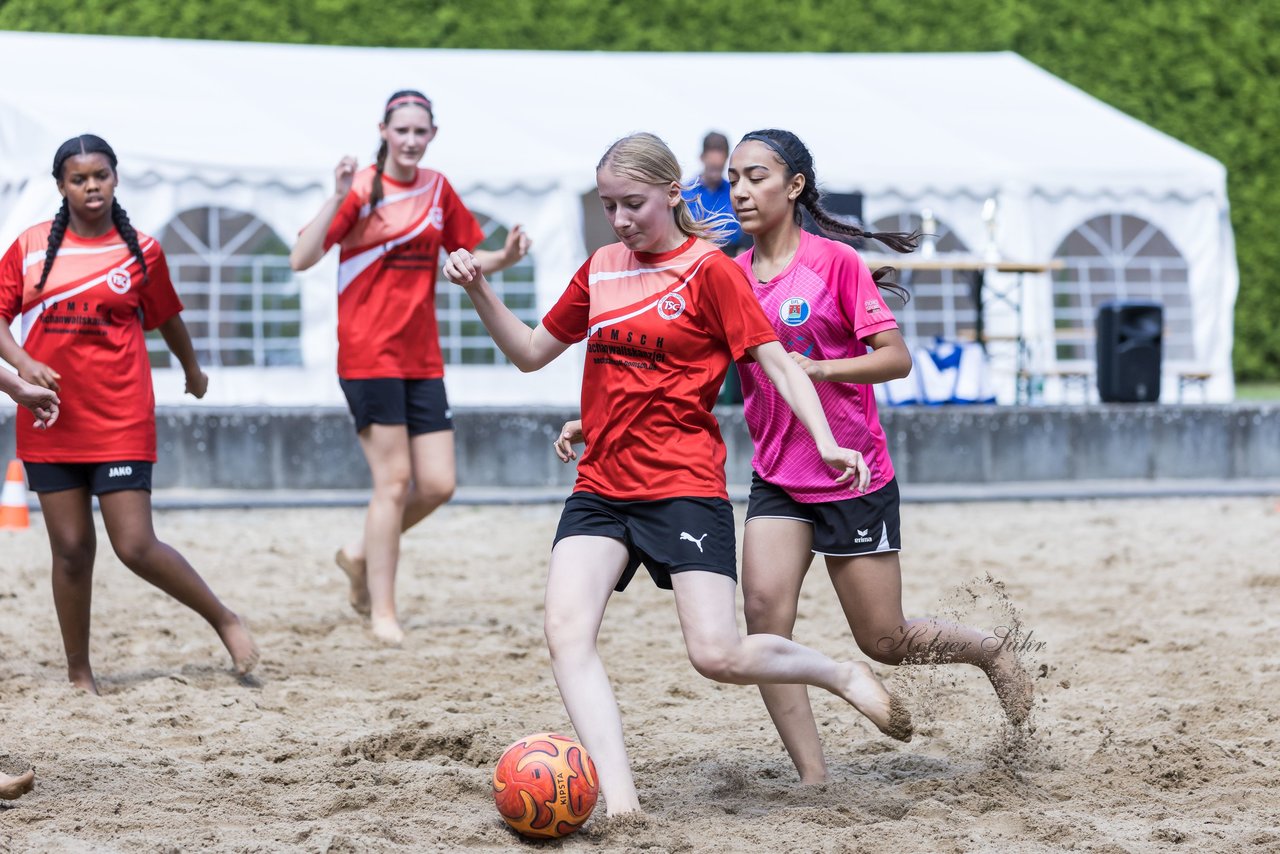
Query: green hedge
[[1203, 71]]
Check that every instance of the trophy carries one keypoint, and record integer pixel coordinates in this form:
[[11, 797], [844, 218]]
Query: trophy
[[991, 252], [928, 233]]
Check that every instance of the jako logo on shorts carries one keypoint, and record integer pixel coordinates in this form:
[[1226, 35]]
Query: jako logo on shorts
[[119, 280], [671, 306], [120, 471], [794, 311]]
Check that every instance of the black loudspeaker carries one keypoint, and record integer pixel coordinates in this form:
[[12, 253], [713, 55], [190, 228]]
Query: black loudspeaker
[[1130, 336]]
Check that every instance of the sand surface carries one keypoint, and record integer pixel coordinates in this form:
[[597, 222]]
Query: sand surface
[[1156, 722]]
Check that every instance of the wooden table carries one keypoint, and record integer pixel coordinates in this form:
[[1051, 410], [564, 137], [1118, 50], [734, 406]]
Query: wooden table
[[980, 290]]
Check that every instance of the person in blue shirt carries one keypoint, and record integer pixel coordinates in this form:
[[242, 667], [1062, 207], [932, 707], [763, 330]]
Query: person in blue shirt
[[710, 191]]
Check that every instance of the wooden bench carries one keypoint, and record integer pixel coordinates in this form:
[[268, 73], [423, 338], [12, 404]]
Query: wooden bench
[[1198, 379]]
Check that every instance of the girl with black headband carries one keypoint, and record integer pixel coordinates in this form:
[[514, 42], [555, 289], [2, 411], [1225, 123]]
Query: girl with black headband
[[87, 285], [827, 310], [391, 220]]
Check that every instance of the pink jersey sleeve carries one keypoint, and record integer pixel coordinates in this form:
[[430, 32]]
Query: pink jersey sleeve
[[860, 298]]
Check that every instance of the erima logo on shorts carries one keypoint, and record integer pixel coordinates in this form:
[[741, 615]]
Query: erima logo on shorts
[[120, 471], [794, 311], [671, 306], [862, 536], [119, 280]]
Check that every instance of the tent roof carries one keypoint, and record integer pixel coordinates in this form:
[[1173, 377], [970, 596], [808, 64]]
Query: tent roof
[[911, 123]]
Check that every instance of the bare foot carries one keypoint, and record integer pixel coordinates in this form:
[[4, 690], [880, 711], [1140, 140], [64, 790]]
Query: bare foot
[[1013, 686], [868, 695], [356, 574], [12, 788], [236, 638], [387, 630], [82, 678]]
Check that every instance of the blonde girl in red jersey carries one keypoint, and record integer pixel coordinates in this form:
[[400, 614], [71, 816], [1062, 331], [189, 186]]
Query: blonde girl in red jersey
[[663, 312], [391, 220], [828, 312], [86, 286]]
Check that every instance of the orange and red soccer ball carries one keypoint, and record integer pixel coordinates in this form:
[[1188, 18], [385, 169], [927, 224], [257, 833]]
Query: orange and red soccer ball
[[545, 785]]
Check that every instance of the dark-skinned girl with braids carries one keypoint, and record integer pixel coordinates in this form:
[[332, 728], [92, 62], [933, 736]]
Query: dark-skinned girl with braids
[[391, 220], [826, 306], [87, 286]]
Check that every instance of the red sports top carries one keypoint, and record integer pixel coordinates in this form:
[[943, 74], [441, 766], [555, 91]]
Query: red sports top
[[387, 273], [662, 329], [87, 324]]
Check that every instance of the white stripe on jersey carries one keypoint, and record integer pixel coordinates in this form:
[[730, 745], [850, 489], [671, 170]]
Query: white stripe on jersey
[[30, 316], [349, 269], [608, 276], [594, 329], [367, 209], [38, 257]]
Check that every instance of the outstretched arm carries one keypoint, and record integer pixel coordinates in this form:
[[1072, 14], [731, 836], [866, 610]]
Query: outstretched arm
[[797, 390], [528, 349]]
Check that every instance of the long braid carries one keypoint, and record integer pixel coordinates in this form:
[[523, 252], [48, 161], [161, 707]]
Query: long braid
[[376, 194], [122, 224], [796, 157], [56, 232]]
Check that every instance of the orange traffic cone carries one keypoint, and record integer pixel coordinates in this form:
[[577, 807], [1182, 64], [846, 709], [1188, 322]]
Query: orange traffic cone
[[13, 499]]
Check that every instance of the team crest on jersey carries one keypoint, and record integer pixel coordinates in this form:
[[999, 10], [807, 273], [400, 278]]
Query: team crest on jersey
[[671, 306], [794, 311], [436, 215], [119, 280]]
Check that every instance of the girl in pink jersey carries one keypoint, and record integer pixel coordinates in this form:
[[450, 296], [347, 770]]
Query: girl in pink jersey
[[828, 312], [391, 220], [662, 313], [87, 285]]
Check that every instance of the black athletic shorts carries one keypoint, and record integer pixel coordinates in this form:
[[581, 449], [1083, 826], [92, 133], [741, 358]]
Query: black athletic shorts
[[98, 478], [668, 536], [421, 405], [857, 525]]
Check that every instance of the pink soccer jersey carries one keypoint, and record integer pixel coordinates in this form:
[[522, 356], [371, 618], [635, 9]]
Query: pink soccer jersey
[[822, 306]]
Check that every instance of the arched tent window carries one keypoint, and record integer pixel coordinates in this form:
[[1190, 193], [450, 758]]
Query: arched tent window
[[463, 338], [1119, 257], [242, 303], [941, 300]]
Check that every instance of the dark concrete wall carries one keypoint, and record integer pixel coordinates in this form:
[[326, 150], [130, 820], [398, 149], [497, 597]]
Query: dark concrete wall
[[251, 448]]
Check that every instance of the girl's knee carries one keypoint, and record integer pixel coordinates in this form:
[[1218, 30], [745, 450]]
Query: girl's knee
[[436, 491], [885, 645], [74, 560], [566, 637], [134, 553], [717, 662], [764, 616]]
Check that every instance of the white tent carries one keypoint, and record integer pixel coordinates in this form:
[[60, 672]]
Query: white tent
[[258, 127]]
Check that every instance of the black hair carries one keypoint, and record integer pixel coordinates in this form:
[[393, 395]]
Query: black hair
[[715, 141], [86, 143], [402, 98], [793, 154]]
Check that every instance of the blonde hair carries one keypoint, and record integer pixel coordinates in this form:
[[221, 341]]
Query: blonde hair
[[644, 157]]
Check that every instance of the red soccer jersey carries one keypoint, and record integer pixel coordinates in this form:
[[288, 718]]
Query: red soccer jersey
[[662, 330], [87, 324], [387, 274]]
